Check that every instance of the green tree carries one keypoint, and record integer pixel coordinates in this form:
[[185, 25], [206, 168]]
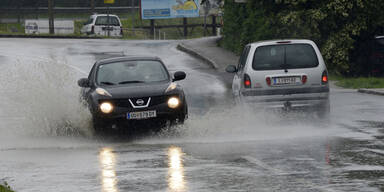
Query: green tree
[[341, 28]]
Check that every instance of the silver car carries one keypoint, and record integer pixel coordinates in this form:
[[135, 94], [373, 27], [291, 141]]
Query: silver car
[[286, 74]]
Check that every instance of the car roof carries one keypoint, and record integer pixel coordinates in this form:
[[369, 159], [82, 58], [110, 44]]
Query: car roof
[[97, 15], [127, 58], [280, 41]]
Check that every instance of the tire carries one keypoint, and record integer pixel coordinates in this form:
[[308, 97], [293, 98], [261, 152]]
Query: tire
[[98, 126], [183, 116], [179, 118]]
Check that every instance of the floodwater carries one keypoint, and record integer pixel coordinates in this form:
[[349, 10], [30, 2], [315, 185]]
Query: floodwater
[[47, 143]]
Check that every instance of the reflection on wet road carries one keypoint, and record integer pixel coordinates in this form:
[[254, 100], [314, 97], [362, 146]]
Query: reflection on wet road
[[176, 180], [108, 172], [46, 143]]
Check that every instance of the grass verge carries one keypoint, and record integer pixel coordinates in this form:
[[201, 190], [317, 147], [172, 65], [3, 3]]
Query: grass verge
[[5, 188], [358, 82]]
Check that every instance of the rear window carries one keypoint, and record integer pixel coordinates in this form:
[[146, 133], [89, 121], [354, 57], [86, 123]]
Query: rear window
[[103, 20], [288, 56]]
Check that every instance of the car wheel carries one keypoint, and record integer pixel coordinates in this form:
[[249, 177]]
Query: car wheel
[[98, 126], [183, 116]]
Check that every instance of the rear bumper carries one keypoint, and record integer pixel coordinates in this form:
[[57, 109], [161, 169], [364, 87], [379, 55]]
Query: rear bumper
[[293, 98]]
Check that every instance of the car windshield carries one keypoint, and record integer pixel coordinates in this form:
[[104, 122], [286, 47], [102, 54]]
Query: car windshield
[[126, 72], [290, 56], [103, 20]]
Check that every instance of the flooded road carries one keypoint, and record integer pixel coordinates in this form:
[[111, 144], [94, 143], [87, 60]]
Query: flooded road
[[47, 143]]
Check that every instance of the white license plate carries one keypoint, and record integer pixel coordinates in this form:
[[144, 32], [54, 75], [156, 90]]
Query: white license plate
[[286, 80], [141, 115]]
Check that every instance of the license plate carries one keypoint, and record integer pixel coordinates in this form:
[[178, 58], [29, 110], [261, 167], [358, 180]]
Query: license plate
[[141, 115], [286, 80]]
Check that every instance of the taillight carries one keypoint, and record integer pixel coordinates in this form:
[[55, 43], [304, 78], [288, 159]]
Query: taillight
[[324, 78], [247, 81], [268, 80], [93, 30], [304, 79]]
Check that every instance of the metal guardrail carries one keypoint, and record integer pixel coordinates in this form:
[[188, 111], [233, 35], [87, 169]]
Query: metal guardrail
[[136, 32]]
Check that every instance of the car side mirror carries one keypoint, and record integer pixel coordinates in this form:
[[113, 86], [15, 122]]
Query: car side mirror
[[83, 82], [179, 75], [231, 69]]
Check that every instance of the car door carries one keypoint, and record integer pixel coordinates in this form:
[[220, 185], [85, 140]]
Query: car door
[[237, 79]]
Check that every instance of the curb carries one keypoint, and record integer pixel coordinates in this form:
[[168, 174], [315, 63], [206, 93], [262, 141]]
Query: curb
[[186, 49], [46, 36], [368, 91]]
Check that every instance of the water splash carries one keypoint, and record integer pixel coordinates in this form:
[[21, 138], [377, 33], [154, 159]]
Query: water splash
[[44, 96]]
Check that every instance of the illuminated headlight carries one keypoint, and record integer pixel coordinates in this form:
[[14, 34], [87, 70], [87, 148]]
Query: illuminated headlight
[[173, 102], [106, 107]]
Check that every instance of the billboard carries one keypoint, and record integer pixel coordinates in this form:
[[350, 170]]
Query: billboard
[[165, 9]]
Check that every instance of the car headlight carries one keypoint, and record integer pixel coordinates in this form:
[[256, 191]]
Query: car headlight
[[173, 102], [106, 107], [102, 91], [171, 87]]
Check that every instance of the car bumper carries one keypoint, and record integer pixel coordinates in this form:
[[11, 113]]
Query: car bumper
[[163, 112], [293, 100]]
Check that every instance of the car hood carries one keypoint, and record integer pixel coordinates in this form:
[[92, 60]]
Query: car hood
[[137, 90]]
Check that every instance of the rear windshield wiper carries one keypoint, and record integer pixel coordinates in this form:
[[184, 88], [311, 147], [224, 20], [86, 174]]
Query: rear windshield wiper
[[127, 82], [107, 83]]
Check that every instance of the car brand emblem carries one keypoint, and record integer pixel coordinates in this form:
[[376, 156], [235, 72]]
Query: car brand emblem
[[140, 102]]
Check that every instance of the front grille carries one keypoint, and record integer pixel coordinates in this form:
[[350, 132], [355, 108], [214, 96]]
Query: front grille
[[155, 100], [122, 103], [158, 100]]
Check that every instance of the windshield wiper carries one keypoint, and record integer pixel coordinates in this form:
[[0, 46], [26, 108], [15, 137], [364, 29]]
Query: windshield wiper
[[107, 83], [127, 82], [285, 66]]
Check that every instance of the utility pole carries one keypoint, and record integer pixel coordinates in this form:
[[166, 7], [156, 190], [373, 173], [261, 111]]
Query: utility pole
[[133, 12], [207, 7], [152, 30], [185, 27], [51, 21], [92, 6]]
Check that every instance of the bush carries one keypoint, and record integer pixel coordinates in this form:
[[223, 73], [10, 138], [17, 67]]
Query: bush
[[341, 28], [5, 188]]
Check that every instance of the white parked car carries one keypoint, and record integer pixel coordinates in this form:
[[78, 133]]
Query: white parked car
[[101, 24], [287, 74]]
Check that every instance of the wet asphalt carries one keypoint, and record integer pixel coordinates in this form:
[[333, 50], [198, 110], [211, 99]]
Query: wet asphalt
[[47, 143]]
